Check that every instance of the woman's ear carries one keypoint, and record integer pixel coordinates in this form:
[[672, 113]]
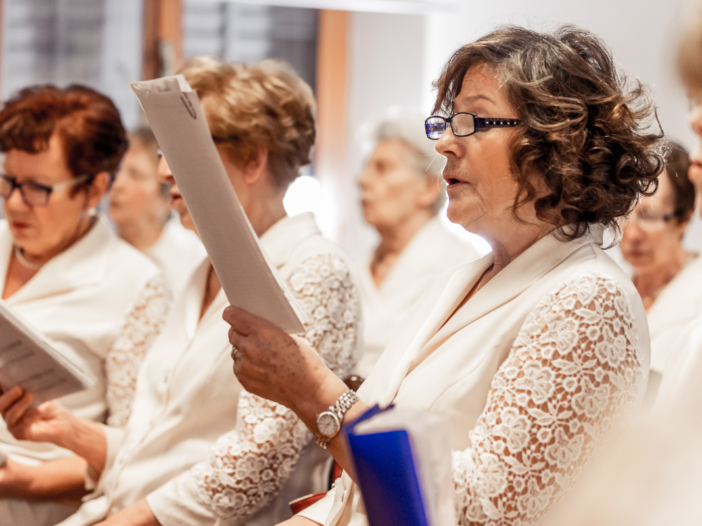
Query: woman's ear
[[257, 167], [98, 188]]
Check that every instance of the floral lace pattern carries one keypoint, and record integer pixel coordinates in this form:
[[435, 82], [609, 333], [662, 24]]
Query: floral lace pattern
[[141, 326], [249, 465], [572, 373]]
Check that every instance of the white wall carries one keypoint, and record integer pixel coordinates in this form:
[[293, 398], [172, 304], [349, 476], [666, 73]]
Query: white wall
[[385, 70], [641, 33]]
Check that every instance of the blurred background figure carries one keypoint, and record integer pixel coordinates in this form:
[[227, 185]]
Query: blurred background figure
[[401, 195], [98, 301], [668, 278], [140, 209]]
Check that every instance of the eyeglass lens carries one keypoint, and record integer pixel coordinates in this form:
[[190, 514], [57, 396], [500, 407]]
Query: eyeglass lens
[[32, 195], [462, 124]]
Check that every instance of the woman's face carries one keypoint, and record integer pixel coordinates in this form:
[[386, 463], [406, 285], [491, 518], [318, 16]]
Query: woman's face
[[650, 243], [481, 188], [391, 188], [136, 193], [45, 231]]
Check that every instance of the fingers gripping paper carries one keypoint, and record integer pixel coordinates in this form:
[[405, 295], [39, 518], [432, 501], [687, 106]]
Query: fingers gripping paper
[[248, 280]]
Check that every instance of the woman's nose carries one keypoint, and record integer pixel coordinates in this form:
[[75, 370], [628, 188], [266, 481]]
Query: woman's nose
[[164, 172], [15, 200], [447, 143], [119, 181], [632, 231]]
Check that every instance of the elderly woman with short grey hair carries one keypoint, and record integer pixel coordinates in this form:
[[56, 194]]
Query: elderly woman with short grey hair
[[401, 195]]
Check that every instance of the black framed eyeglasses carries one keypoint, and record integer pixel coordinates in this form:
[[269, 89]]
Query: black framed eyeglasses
[[464, 124], [35, 194]]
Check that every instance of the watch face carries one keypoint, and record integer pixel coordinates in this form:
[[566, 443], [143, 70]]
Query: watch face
[[328, 424]]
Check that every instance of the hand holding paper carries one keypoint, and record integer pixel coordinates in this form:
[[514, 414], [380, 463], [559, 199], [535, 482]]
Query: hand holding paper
[[28, 361]]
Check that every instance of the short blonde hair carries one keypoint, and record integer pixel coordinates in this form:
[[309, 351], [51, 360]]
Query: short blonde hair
[[265, 104]]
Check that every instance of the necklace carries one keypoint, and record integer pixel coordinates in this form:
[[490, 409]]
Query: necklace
[[24, 261]]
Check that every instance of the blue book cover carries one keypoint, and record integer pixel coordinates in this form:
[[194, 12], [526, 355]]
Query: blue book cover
[[387, 475]]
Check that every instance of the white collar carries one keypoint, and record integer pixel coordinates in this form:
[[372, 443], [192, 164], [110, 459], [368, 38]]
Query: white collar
[[83, 263], [280, 240]]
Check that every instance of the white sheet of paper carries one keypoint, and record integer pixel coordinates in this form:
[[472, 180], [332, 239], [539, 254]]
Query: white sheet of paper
[[27, 359], [248, 280]]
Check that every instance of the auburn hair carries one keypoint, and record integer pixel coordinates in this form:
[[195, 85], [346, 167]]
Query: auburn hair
[[86, 122]]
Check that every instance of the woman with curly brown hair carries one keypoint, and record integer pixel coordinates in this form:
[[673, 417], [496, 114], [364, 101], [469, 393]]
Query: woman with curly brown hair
[[537, 350]]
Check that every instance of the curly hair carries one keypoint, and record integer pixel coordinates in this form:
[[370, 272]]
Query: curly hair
[[87, 123], [262, 104], [585, 129]]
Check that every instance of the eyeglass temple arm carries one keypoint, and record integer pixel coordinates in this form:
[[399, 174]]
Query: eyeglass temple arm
[[484, 123]]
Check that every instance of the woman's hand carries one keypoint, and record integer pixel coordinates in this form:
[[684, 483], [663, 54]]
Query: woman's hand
[[279, 367], [50, 422], [285, 369]]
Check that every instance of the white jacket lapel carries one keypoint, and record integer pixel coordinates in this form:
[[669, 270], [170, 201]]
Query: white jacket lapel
[[430, 313], [81, 264], [515, 278]]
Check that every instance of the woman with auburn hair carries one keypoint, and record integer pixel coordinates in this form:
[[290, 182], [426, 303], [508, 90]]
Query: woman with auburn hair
[[198, 448], [97, 300], [537, 350]]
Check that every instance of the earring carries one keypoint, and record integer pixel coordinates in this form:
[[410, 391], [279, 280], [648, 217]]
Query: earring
[[92, 211]]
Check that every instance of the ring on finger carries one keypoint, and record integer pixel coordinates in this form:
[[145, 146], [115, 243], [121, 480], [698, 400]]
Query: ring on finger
[[234, 351]]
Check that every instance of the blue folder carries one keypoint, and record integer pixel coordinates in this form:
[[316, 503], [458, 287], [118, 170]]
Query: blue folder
[[386, 475]]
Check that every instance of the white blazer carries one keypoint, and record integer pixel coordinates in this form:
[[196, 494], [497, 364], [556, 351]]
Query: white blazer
[[677, 305], [531, 372], [83, 300], [430, 252]]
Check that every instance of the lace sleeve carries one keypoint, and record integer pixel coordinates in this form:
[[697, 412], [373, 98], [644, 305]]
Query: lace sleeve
[[572, 373], [141, 326], [249, 465]]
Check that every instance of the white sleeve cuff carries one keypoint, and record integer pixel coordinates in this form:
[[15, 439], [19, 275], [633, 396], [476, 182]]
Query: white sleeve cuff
[[320, 510], [114, 436], [176, 503]]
